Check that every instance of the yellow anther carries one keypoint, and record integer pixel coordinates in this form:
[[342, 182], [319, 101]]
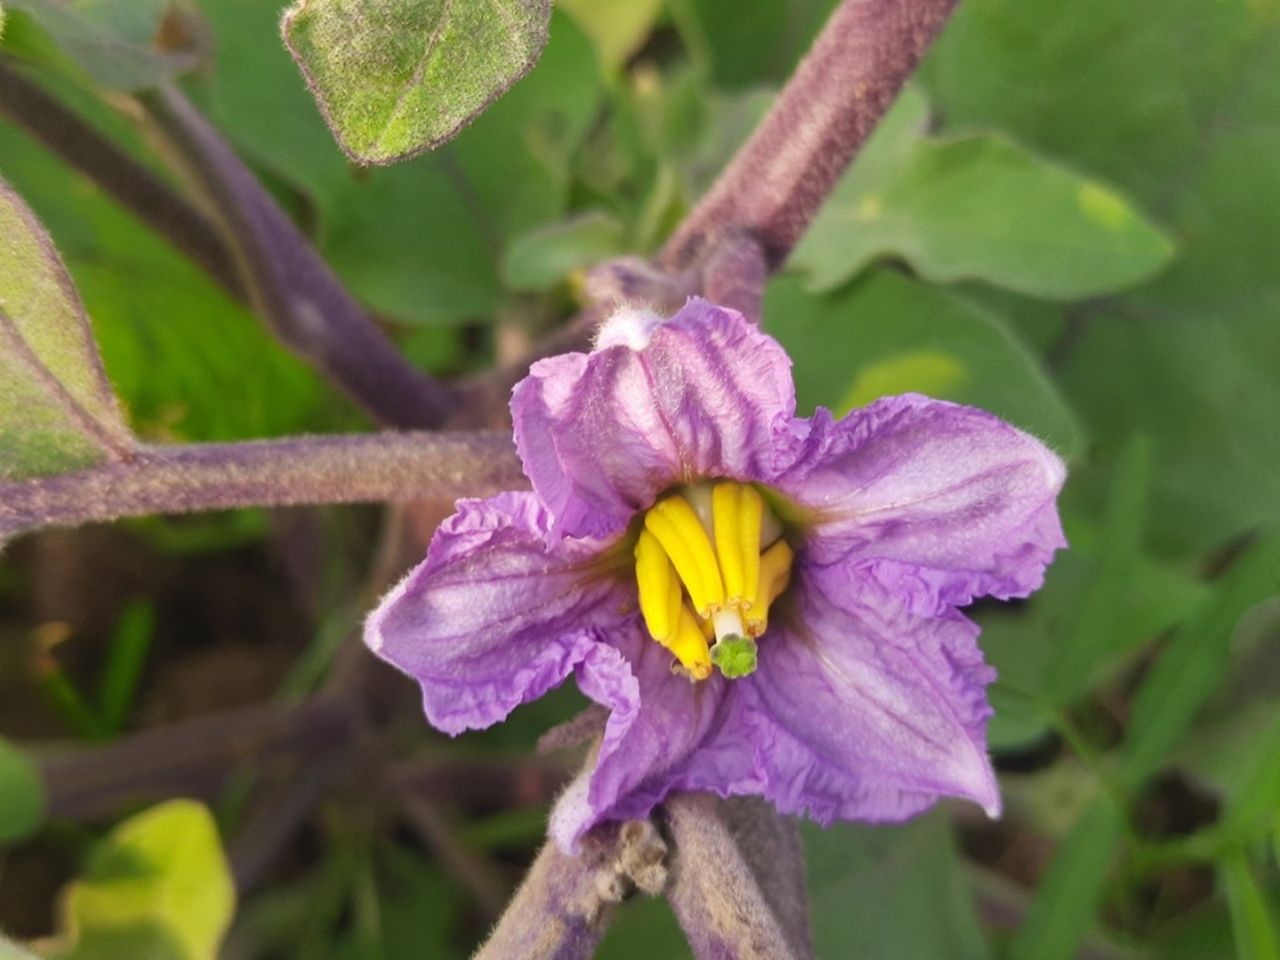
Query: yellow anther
[[739, 515], [690, 647], [775, 574], [655, 580], [676, 527]]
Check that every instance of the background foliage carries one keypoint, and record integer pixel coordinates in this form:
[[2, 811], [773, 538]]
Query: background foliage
[[1071, 218]]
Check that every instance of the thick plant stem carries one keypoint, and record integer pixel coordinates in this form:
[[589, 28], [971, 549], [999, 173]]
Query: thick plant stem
[[191, 758], [774, 186], [290, 286], [717, 896], [557, 914], [144, 194], [302, 470]]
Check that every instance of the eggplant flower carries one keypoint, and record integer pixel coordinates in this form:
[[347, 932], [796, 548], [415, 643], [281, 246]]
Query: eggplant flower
[[765, 604]]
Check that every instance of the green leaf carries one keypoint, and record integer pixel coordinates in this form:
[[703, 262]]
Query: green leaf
[[744, 43], [1193, 664], [189, 362], [116, 42], [890, 892], [57, 412], [1023, 641], [419, 242], [1175, 102], [1252, 812], [1094, 633], [617, 29], [1064, 906], [397, 77], [545, 256], [8, 949], [22, 797], [983, 208], [130, 643], [1252, 920], [513, 162], [888, 334], [1124, 90], [158, 887], [1234, 745]]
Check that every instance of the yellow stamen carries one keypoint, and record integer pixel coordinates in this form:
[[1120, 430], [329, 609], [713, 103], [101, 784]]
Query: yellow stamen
[[655, 580], [739, 515], [775, 574], [676, 527], [690, 647]]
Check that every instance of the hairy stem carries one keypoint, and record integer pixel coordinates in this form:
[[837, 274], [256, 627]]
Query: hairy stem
[[191, 758], [557, 914], [147, 196], [716, 895], [301, 470], [774, 186]]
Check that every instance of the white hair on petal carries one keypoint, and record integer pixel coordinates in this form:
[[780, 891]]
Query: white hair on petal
[[628, 327]]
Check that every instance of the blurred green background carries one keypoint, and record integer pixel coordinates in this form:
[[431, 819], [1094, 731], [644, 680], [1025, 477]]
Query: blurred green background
[[1071, 217]]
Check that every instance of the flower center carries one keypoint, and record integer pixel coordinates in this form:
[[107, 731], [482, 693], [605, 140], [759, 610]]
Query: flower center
[[709, 562]]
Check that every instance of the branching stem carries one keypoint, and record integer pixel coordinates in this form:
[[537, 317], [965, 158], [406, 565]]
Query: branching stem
[[301, 470], [774, 186]]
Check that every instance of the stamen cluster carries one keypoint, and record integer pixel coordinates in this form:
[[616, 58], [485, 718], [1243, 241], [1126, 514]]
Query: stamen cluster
[[710, 561]]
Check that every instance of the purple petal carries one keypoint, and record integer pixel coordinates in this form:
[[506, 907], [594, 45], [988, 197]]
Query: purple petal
[[656, 404], [664, 733], [863, 710], [946, 502], [493, 617]]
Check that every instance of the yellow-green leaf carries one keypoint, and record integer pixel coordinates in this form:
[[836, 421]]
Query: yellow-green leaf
[[158, 888]]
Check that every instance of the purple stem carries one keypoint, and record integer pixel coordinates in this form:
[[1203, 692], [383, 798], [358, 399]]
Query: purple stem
[[715, 893], [300, 470], [557, 914], [292, 288], [774, 186], [190, 758]]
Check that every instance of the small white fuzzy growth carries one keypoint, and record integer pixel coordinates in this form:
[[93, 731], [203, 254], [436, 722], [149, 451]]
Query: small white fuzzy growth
[[629, 327]]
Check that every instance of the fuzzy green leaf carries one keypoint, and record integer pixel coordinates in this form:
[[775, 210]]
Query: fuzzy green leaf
[[57, 412], [397, 77]]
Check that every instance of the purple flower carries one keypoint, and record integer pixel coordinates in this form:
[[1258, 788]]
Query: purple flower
[[765, 604]]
